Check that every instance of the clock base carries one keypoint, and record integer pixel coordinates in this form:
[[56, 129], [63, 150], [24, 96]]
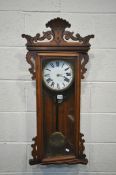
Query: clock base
[[67, 159], [59, 160], [64, 160]]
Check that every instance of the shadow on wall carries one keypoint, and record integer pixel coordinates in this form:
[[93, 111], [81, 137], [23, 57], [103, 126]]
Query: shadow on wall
[[89, 65], [59, 169], [56, 169]]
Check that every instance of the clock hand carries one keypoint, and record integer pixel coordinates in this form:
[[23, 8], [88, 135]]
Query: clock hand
[[65, 78], [60, 75]]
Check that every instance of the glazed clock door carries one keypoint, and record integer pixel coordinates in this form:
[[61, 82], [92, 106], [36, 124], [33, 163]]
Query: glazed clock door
[[58, 88]]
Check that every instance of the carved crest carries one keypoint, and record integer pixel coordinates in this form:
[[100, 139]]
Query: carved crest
[[58, 36]]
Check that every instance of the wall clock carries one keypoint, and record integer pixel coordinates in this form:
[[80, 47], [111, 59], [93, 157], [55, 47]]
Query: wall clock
[[58, 60]]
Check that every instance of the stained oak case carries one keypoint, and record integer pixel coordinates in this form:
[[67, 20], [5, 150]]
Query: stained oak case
[[58, 137]]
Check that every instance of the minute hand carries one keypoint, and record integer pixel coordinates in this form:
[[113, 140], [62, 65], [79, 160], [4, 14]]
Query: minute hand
[[60, 75], [65, 78]]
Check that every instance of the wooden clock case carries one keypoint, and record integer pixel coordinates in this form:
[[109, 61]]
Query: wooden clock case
[[60, 45]]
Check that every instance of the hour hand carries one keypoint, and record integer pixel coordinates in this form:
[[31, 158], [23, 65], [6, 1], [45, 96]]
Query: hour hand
[[60, 75]]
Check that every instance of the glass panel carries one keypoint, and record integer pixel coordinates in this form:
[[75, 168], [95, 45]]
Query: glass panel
[[59, 119]]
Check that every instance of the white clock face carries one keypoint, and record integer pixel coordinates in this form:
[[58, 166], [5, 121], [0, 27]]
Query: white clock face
[[58, 75]]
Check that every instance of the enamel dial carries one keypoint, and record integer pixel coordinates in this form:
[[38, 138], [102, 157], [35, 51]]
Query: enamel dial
[[58, 75]]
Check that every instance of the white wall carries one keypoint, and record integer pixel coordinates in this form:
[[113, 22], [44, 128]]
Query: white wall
[[17, 91]]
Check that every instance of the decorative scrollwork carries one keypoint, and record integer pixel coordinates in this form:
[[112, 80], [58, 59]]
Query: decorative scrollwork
[[34, 152], [30, 57], [57, 35], [84, 40], [81, 147], [84, 58], [38, 37]]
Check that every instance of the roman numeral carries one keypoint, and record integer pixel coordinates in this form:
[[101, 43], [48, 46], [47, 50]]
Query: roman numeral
[[57, 63], [66, 79], [52, 84], [66, 68], [49, 80], [58, 86], [48, 69], [52, 65], [68, 74], [63, 84], [46, 75], [62, 64]]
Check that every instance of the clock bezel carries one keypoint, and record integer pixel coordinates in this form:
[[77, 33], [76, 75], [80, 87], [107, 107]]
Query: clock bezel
[[56, 59]]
